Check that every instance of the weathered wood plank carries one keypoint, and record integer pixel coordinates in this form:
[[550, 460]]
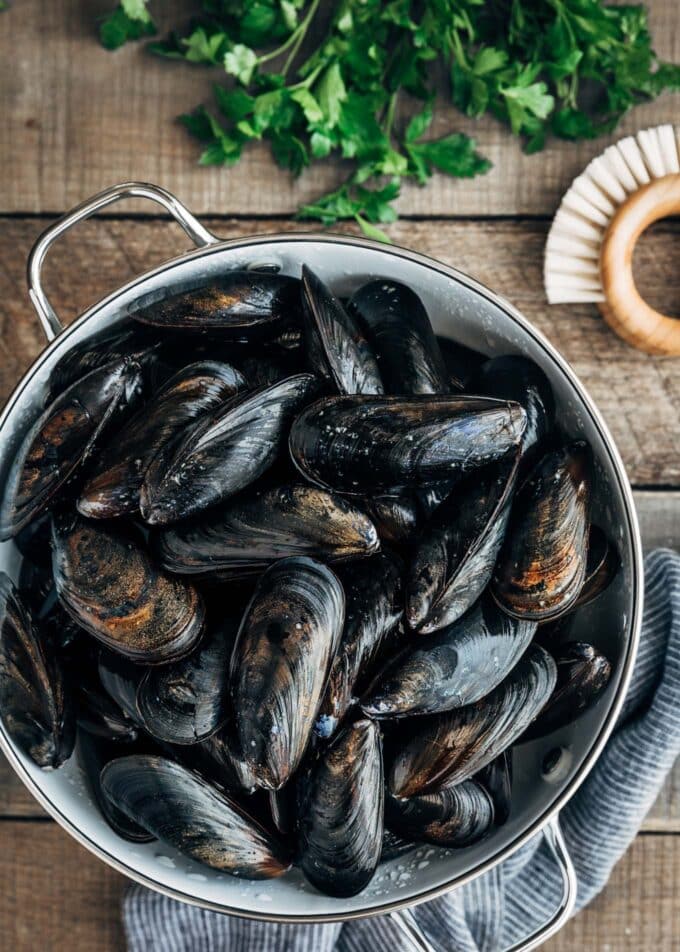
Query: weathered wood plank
[[54, 895], [638, 395], [76, 119]]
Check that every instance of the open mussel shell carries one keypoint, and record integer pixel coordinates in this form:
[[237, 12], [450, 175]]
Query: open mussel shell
[[453, 816], [601, 567], [456, 665], [359, 444], [114, 486], [235, 303], [184, 811], [34, 698], [260, 526], [336, 344], [542, 564], [94, 753], [63, 437], [108, 583], [400, 332], [496, 778], [341, 812], [373, 609], [224, 452], [455, 557], [513, 377], [582, 675], [445, 749], [288, 637]]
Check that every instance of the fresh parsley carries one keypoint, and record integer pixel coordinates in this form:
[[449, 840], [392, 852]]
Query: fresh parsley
[[358, 80]]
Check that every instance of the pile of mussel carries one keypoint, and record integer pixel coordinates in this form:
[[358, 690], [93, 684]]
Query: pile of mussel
[[297, 577]]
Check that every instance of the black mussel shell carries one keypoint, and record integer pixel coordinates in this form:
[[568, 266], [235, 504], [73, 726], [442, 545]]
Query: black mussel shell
[[120, 679], [542, 564], [35, 702], [336, 345], [108, 583], [99, 715], [220, 759], [398, 518], [601, 567], [359, 444], [288, 637], [341, 812], [223, 453], [63, 437], [94, 753], [496, 778], [262, 370], [121, 342], [453, 816], [517, 378], [461, 362], [394, 846], [446, 749], [260, 526], [114, 486], [186, 812], [373, 609], [582, 675], [455, 557], [402, 337], [238, 302], [455, 666], [186, 701], [283, 809]]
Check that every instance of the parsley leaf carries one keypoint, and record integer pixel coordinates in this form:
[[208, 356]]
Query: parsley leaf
[[129, 21]]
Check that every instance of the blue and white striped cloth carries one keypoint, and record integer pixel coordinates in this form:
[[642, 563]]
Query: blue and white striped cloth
[[510, 901]]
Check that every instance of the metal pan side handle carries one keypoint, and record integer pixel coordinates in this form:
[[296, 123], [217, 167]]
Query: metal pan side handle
[[405, 919], [199, 234]]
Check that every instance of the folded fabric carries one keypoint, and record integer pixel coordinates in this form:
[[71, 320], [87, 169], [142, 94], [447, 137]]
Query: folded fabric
[[510, 901]]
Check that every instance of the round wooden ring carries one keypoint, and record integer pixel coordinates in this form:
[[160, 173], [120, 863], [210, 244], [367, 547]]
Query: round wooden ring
[[624, 310]]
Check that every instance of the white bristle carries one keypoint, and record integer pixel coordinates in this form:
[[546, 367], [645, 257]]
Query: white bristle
[[571, 268]]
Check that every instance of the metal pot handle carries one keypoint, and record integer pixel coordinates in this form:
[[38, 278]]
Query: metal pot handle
[[198, 233], [406, 921]]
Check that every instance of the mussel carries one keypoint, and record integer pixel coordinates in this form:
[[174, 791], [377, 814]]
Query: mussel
[[287, 640], [336, 345], [341, 812], [35, 702], [360, 444], [455, 666], [63, 437], [108, 583], [373, 608], [601, 567], [186, 701], [583, 673], [402, 337], [496, 778], [237, 302], [113, 488], [398, 518], [517, 378], [99, 714], [183, 810], [223, 453], [457, 551], [445, 749], [219, 758], [542, 564], [394, 846], [94, 753], [454, 816], [260, 526]]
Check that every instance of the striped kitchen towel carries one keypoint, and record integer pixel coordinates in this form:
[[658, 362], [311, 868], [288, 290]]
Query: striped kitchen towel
[[511, 900]]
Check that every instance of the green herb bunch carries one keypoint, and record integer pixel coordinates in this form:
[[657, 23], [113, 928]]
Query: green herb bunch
[[359, 79]]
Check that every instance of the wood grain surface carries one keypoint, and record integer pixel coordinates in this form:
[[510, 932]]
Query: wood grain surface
[[76, 119]]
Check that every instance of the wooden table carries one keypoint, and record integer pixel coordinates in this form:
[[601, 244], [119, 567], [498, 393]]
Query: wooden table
[[74, 120]]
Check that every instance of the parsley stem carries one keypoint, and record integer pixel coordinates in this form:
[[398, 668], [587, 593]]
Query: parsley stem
[[294, 40]]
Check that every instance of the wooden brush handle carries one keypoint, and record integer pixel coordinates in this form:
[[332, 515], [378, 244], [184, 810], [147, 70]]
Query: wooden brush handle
[[624, 310]]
